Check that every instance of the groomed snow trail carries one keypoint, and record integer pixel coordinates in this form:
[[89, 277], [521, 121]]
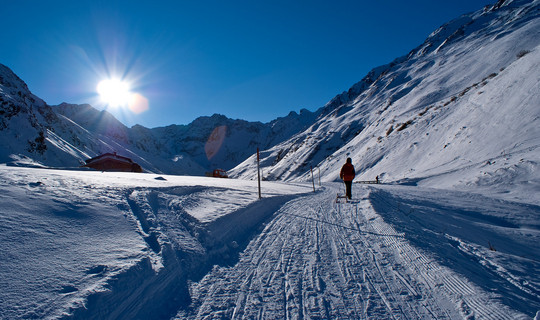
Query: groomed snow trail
[[320, 260]]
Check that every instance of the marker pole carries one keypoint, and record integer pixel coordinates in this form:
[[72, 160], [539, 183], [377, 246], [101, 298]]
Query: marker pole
[[259, 173]]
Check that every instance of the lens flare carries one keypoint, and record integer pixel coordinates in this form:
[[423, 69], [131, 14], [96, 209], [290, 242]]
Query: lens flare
[[213, 145], [138, 103]]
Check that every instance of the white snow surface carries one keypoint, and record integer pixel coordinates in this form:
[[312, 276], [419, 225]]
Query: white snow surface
[[452, 130], [92, 245], [87, 244]]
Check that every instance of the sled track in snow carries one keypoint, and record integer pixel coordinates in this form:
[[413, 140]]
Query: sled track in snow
[[470, 300], [316, 260], [442, 280]]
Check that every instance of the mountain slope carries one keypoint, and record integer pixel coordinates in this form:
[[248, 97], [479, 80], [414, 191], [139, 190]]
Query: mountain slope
[[36, 134], [466, 97], [462, 105]]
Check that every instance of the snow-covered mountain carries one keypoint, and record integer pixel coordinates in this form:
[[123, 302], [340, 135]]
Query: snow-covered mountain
[[464, 103], [21, 117], [217, 141], [36, 134]]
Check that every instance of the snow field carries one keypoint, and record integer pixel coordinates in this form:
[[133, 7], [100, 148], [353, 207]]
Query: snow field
[[92, 245], [60, 244], [459, 113]]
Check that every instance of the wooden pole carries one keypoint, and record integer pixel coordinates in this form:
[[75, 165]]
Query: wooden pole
[[259, 173], [312, 179]]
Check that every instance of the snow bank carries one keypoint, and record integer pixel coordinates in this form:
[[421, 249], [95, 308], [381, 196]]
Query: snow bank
[[81, 244], [491, 243]]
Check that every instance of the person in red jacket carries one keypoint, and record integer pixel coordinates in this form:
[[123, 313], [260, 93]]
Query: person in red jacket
[[347, 174]]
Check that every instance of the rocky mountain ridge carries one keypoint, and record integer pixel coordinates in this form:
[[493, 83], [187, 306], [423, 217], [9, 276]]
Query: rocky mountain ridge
[[36, 134]]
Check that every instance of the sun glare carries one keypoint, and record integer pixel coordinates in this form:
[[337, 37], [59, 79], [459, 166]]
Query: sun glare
[[114, 92], [117, 94]]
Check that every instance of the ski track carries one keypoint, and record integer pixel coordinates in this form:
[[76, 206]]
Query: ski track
[[320, 260]]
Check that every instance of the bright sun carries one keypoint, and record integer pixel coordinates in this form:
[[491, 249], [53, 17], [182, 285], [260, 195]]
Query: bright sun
[[114, 92]]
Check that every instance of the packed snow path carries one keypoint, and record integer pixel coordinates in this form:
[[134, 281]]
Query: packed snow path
[[321, 260]]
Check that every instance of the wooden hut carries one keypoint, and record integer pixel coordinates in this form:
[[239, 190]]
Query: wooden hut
[[113, 162]]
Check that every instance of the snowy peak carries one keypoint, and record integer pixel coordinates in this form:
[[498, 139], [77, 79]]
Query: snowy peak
[[10, 82], [23, 118], [66, 135], [400, 122], [15, 96], [487, 22], [453, 104], [220, 142], [98, 122]]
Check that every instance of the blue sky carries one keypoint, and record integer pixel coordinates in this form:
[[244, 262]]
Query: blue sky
[[251, 60]]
